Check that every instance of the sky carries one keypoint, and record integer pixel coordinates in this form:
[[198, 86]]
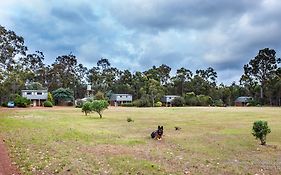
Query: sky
[[137, 34]]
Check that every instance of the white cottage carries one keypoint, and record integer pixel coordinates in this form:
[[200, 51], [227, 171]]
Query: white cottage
[[37, 97], [118, 99]]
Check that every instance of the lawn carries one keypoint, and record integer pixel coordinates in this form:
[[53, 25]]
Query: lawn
[[211, 141]]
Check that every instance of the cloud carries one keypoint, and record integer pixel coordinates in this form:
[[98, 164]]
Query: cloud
[[137, 34]]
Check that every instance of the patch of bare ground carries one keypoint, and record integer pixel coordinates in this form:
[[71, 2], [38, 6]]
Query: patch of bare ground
[[6, 165]]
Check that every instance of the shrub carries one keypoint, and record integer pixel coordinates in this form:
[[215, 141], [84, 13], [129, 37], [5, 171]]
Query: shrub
[[178, 101], [87, 108], [47, 104], [70, 103], [127, 105], [129, 119], [50, 98], [253, 103], [99, 106], [21, 101], [4, 104], [218, 103], [260, 130], [204, 100], [142, 102], [190, 99], [158, 104]]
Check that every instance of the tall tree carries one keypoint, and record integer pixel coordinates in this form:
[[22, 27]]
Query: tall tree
[[262, 69]]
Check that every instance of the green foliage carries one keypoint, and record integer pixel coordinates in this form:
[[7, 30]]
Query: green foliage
[[127, 105], [4, 104], [142, 102], [50, 98], [99, 95], [99, 106], [178, 101], [63, 94], [158, 104], [260, 130], [190, 99], [34, 86], [87, 108], [204, 100], [47, 104], [129, 119], [218, 103], [253, 103], [21, 101]]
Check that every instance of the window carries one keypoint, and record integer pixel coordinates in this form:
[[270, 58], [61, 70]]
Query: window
[[170, 97], [39, 93], [120, 96], [28, 93]]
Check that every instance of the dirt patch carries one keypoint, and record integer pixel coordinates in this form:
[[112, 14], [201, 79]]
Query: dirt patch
[[6, 166]]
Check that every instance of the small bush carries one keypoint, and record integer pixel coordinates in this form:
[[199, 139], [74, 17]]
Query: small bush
[[70, 103], [129, 119], [158, 104], [253, 103], [178, 101], [99, 106], [142, 102], [204, 100], [87, 108], [47, 104], [127, 105], [4, 104], [218, 103], [22, 101], [260, 130]]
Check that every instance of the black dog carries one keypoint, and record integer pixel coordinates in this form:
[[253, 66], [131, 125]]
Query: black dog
[[158, 133]]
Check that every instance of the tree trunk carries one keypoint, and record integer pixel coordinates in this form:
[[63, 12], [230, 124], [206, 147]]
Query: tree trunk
[[100, 114]]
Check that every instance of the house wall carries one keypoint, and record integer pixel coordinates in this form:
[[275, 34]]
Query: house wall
[[32, 94], [168, 98], [121, 97]]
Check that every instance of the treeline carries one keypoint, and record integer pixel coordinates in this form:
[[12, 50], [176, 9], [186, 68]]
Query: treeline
[[22, 70]]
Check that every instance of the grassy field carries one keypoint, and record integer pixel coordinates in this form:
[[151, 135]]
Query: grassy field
[[211, 141]]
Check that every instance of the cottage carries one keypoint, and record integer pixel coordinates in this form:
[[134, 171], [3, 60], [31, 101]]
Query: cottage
[[37, 97], [167, 99], [242, 101], [118, 99]]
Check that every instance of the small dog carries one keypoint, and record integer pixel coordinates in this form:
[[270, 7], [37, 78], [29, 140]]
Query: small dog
[[158, 133]]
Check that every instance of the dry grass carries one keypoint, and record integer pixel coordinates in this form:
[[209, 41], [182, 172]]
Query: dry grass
[[211, 141]]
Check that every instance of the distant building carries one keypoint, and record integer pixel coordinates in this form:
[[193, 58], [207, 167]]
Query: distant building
[[118, 99], [167, 99], [242, 101], [37, 97]]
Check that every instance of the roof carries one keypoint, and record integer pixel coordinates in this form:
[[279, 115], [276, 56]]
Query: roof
[[171, 96], [243, 99], [26, 90]]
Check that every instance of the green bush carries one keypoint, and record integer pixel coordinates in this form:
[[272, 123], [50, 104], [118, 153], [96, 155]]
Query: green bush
[[253, 103], [218, 103], [127, 105], [190, 99], [158, 104], [4, 104], [129, 119], [99, 106], [21, 101], [47, 104], [142, 102], [260, 130], [204, 100], [178, 101], [87, 108]]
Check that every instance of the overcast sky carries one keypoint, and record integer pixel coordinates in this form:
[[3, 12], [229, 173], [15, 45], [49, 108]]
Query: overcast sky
[[137, 34]]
